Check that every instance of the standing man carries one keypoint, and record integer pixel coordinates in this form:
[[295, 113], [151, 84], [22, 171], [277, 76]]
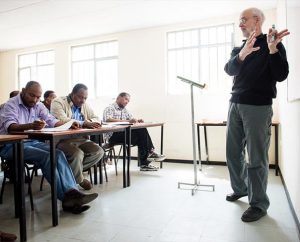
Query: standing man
[[117, 112], [25, 111], [81, 153], [256, 67]]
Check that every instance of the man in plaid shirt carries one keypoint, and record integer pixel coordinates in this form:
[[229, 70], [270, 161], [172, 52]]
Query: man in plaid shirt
[[117, 112]]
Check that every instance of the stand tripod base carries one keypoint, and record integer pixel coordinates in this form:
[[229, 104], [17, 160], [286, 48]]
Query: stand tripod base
[[196, 187]]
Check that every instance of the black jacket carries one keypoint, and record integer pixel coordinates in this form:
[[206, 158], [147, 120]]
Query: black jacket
[[255, 78]]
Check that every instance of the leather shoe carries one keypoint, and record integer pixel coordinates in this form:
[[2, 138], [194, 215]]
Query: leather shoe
[[253, 214], [74, 198], [7, 237], [233, 197], [85, 184], [76, 209]]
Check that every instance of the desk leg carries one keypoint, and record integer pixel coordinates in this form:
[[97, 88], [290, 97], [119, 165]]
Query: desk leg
[[205, 139], [95, 173], [100, 172], [16, 179], [276, 151], [53, 183], [161, 144], [199, 145], [124, 159], [21, 178], [128, 155]]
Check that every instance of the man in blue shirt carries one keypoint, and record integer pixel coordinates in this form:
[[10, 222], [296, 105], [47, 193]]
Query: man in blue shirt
[[24, 112], [81, 153]]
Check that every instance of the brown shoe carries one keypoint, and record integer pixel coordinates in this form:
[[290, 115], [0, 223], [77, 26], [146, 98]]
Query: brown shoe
[[85, 184], [76, 209], [74, 198], [7, 236]]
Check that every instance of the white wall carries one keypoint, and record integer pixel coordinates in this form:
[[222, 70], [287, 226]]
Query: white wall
[[289, 111], [142, 72]]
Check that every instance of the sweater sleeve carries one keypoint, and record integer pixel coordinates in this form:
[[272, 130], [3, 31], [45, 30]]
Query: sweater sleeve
[[278, 64], [233, 66]]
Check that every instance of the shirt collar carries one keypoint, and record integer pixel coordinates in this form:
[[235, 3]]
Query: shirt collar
[[117, 106], [261, 36], [20, 102]]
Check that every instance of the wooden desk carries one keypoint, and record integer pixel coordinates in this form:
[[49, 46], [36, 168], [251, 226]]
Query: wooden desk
[[218, 123], [141, 126], [18, 168], [55, 137]]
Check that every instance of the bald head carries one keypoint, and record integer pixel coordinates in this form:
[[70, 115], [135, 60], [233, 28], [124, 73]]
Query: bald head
[[257, 13], [251, 19], [31, 94]]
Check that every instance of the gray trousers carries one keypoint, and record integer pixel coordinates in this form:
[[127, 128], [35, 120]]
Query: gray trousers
[[81, 154], [249, 126]]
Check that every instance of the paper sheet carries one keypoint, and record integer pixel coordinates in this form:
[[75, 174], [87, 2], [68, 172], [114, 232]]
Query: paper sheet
[[63, 127]]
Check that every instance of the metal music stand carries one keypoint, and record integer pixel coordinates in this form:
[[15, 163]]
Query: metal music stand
[[196, 185]]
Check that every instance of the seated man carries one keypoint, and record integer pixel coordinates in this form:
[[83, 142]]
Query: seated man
[[48, 98], [117, 112], [25, 111], [11, 94], [81, 153]]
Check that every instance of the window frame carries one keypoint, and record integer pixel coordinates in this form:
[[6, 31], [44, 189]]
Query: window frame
[[36, 66], [95, 60], [199, 46]]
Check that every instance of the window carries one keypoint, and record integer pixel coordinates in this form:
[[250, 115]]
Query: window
[[199, 55], [38, 66], [96, 66]]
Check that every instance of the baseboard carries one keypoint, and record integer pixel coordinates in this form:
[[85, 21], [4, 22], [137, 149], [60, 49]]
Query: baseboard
[[290, 203], [218, 163]]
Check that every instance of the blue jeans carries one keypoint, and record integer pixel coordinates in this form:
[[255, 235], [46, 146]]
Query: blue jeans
[[38, 152], [249, 126]]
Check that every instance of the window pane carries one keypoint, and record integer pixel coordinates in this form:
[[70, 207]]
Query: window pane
[[100, 71], [46, 57], [221, 36], [179, 39], [171, 41], [40, 68], [107, 78], [204, 36], [24, 77], [83, 72], [83, 52], [212, 36], [229, 33], [27, 60], [221, 64], [45, 76], [213, 64], [204, 66], [190, 38], [107, 49], [199, 60], [176, 86]]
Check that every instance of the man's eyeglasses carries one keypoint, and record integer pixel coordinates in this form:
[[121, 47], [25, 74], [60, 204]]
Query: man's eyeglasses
[[244, 20]]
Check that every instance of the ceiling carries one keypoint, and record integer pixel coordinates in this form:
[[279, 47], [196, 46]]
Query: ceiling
[[25, 23]]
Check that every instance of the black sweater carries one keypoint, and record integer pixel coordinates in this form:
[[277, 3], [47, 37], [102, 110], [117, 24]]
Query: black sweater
[[255, 78]]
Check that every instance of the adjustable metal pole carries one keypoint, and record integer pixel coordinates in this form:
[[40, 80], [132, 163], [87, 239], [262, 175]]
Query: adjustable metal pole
[[196, 185], [194, 137]]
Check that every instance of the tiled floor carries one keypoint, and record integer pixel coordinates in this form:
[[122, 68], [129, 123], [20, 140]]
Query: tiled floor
[[153, 209]]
